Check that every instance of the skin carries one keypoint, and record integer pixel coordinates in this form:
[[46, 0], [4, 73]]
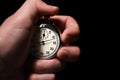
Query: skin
[[15, 35]]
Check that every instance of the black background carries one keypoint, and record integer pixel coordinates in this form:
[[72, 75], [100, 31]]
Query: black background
[[85, 15]]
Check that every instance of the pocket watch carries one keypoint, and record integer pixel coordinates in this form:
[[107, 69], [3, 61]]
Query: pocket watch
[[46, 40]]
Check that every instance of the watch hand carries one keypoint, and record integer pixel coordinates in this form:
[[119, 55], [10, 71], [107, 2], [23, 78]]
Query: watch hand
[[46, 41]]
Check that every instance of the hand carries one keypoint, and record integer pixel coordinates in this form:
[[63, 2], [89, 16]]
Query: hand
[[15, 37]]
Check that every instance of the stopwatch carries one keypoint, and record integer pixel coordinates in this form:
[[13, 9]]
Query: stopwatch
[[46, 40]]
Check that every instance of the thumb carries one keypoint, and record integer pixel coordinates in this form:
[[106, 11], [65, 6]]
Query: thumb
[[30, 12], [17, 28]]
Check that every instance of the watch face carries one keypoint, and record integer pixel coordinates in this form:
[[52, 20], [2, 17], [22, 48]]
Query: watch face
[[45, 42]]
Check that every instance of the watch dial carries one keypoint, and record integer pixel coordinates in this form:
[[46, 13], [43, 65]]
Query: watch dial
[[45, 43]]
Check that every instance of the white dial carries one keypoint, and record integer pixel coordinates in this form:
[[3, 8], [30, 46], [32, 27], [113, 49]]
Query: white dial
[[45, 42]]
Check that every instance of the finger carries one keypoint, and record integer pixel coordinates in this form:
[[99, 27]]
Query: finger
[[69, 53], [69, 27], [41, 77], [46, 9], [45, 66]]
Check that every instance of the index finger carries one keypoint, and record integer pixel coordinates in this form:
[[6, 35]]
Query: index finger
[[68, 26]]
